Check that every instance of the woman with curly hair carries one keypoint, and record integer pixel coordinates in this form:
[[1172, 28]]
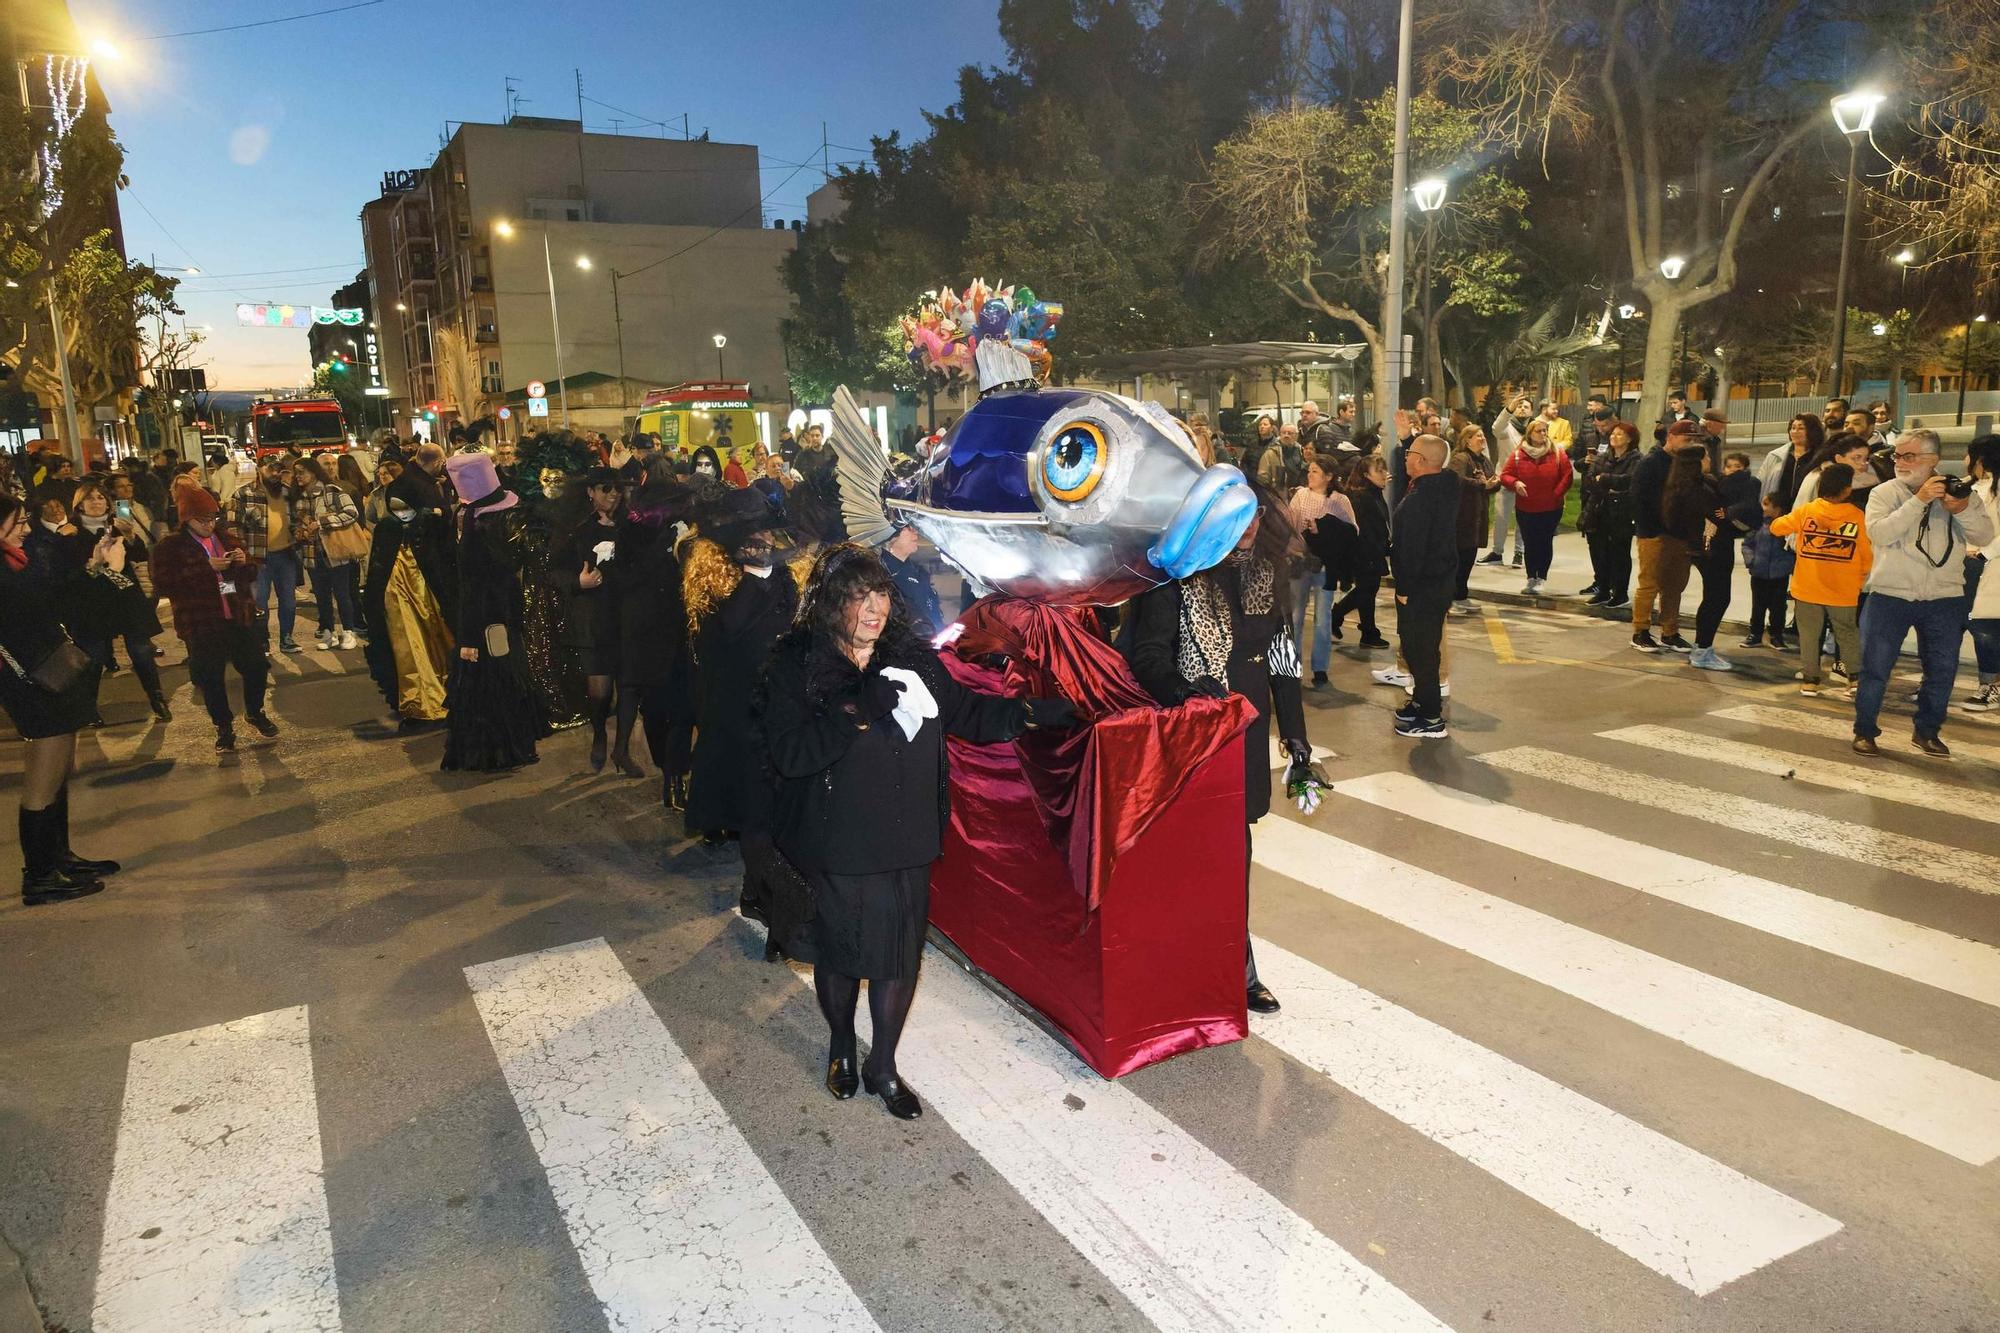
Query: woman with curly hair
[[854, 712]]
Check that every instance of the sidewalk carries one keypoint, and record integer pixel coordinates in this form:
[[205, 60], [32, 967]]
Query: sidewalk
[[1569, 572]]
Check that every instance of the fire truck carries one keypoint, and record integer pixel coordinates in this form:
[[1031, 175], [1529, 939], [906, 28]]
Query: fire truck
[[309, 425]]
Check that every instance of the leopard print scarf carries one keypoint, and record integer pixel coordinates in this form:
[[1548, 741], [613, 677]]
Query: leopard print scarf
[[1208, 633]]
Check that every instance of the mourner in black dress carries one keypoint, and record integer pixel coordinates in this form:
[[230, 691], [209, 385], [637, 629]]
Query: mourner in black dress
[[408, 599], [545, 465], [1224, 631], [652, 621], [739, 601], [493, 720], [585, 567], [854, 711], [48, 688]]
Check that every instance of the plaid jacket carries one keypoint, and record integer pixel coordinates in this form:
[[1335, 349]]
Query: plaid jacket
[[181, 571], [249, 513]]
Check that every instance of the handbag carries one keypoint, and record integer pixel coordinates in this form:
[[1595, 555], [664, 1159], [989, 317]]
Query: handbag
[[496, 640], [58, 670], [343, 546]]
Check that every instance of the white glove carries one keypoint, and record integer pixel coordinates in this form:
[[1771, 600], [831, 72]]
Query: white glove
[[916, 704]]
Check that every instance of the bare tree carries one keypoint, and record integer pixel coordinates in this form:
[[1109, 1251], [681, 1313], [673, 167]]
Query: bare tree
[[1943, 197], [1700, 102]]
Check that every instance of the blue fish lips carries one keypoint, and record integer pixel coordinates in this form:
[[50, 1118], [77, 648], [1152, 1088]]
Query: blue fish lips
[[1217, 512]]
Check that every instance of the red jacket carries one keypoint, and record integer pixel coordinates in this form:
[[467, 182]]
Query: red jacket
[[1547, 478], [181, 571]]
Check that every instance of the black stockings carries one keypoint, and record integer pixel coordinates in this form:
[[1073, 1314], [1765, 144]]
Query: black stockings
[[599, 690], [147, 668], [888, 1009], [628, 716]]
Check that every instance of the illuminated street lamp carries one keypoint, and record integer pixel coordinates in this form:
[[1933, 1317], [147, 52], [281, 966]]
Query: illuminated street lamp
[[721, 341], [1878, 328], [1428, 194], [1902, 259], [1854, 113], [504, 228], [1672, 267]]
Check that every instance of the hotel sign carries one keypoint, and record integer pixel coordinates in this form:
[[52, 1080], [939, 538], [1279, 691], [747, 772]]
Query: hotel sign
[[402, 182]]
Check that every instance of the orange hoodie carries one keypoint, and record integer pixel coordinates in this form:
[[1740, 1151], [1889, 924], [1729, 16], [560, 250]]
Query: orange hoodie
[[1834, 555]]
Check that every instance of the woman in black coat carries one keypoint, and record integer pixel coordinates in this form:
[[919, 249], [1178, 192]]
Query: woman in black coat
[[1368, 556], [652, 619], [113, 608], [493, 721], [1224, 631], [33, 640], [855, 708], [1606, 518], [739, 601]]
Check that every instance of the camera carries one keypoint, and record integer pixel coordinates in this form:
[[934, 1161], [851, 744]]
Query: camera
[[1958, 488]]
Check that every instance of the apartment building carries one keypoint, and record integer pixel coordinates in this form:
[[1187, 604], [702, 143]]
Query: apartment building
[[653, 247]]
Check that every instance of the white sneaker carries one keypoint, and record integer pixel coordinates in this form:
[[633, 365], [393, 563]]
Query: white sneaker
[[1984, 699], [324, 639], [1444, 689], [1466, 607], [1393, 675], [347, 639]]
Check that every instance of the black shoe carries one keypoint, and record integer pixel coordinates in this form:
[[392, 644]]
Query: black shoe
[[225, 741], [895, 1095], [622, 761], [1319, 678], [1622, 602], [841, 1080], [1645, 642], [1754, 641], [598, 747], [677, 792], [66, 856], [262, 725], [1258, 996], [1334, 632], [1591, 592], [1676, 643], [160, 709], [1490, 558], [773, 951], [57, 886], [1930, 745], [1374, 641], [1778, 645]]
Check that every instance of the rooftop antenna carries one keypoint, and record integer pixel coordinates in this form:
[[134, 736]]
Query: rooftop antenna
[[507, 99]]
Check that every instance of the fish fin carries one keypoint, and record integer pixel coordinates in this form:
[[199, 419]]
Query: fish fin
[[1001, 365], [863, 469]]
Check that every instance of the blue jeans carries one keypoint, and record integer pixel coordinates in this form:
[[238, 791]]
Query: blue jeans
[[333, 588], [1885, 622], [280, 570], [1986, 648], [1311, 590]]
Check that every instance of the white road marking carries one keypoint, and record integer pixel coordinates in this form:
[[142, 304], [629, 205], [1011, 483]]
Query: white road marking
[[1919, 857], [216, 1217], [675, 1220], [1961, 966], [1840, 727], [1880, 781], [1189, 1240], [1948, 1108], [1687, 1217]]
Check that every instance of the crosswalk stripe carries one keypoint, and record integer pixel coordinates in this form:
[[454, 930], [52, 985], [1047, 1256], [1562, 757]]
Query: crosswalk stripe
[[1189, 1240], [1882, 782], [675, 1220], [1953, 1110], [1932, 957], [1882, 848], [217, 1217], [1687, 1217], [1838, 727]]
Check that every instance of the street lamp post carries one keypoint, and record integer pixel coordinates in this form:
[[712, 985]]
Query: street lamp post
[[618, 321], [721, 341], [506, 228], [1428, 195], [1854, 113], [1389, 393], [1625, 313], [1965, 362]]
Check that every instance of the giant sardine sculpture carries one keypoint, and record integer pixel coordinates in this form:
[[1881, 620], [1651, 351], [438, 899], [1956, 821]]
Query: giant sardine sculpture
[[1059, 495]]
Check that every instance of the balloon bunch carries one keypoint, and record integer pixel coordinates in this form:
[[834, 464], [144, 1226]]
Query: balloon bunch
[[946, 328]]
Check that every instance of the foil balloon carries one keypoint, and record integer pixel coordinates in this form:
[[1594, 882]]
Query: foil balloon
[[1066, 496], [994, 318]]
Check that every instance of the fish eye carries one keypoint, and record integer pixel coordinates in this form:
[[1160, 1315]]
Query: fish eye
[[1073, 463]]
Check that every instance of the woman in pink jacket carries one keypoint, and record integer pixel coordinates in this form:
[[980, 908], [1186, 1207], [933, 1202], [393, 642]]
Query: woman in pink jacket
[[1539, 474]]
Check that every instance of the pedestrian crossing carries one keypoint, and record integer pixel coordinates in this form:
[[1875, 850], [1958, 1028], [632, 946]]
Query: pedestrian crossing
[[217, 1216]]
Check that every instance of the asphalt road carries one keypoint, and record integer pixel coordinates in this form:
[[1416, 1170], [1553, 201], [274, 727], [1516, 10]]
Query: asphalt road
[[1639, 1004]]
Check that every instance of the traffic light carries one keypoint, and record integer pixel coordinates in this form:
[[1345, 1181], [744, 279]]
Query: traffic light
[[338, 365]]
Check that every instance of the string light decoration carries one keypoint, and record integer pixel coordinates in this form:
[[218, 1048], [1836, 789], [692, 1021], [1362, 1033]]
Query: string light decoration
[[67, 96]]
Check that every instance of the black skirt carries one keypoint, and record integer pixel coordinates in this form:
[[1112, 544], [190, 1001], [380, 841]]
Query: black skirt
[[494, 719], [870, 925], [37, 714]]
